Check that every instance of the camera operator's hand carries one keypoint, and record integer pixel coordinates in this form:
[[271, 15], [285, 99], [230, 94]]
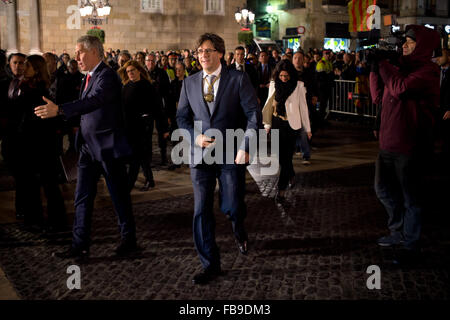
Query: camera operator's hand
[[385, 55]]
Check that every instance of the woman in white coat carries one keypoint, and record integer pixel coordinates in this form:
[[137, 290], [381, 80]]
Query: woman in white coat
[[287, 111]]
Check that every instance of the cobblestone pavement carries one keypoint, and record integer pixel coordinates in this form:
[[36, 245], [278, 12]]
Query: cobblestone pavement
[[318, 246]]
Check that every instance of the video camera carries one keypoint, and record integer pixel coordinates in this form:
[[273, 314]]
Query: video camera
[[383, 48]]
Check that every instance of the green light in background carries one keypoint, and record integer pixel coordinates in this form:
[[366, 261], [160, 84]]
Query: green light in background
[[271, 9]]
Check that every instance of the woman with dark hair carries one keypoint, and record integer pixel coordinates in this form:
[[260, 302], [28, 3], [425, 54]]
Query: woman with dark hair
[[286, 110], [163, 62], [142, 105], [33, 151], [140, 57]]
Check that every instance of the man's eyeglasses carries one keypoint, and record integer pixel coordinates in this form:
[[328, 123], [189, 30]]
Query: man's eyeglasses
[[207, 51]]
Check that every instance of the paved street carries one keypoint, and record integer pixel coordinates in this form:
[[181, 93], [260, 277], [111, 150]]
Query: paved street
[[318, 246]]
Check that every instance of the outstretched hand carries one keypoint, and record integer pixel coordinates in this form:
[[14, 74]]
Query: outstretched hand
[[49, 110]]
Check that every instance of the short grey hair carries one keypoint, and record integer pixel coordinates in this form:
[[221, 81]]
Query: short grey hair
[[90, 42]]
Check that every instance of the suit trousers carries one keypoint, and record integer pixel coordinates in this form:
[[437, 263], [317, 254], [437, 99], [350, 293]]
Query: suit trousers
[[287, 141], [115, 173], [142, 156], [397, 181], [231, 202]]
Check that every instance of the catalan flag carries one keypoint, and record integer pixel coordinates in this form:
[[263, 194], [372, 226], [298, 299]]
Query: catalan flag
[[357, 11]]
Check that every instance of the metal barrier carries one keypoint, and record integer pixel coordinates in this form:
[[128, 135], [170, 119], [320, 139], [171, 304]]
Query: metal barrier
[[346, 100]]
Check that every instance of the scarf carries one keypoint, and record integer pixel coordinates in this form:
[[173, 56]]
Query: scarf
[[282, 91]]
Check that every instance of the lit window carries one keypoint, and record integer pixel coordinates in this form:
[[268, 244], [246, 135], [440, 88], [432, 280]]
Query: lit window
[[214, 7], [152, 6]]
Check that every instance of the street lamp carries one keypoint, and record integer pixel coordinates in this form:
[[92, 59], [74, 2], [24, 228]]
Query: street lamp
[[95, 11], [244, 17]]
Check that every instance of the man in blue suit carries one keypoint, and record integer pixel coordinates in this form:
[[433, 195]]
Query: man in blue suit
[[102, 146], [219, 99]]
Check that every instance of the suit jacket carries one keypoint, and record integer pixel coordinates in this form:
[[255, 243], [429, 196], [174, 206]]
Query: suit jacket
[[263, 78], [251, 71], [101, 122], [296, 108], [236, 107]]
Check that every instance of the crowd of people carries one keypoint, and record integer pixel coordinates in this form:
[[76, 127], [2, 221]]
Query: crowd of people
[[109, 115], [143, 73]]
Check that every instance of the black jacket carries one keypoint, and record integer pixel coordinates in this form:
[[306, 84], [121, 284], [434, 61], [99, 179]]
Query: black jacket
[[27, 135], [141, 106], [251, 71], [161, 82]]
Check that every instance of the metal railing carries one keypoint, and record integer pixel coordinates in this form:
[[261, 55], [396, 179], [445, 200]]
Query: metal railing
[[346, 100]]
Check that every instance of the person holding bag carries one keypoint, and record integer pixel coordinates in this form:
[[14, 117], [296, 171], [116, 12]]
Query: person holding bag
[[286, 110]]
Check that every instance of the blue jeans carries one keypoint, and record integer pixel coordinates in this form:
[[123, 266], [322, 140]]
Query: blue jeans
[[302, 143], [397, 181]]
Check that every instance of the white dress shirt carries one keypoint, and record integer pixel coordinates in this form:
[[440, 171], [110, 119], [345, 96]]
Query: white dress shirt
[[216, 83], [242, 65]]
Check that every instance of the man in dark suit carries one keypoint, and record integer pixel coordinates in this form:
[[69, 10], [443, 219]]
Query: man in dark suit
[[264, 70], [11, 116], [102, 145], [218, 99], [240, 65], [161, 82]]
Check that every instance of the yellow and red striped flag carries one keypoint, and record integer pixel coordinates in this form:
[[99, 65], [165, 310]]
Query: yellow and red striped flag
[[357, 11]]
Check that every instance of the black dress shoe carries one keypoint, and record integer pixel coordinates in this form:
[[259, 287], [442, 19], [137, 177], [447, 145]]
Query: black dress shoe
[[243, 247], [80, 255], [206, 276], [148, 185], [126, 247]]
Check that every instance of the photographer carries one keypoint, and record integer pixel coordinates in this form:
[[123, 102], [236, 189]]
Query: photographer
[[407, 92]]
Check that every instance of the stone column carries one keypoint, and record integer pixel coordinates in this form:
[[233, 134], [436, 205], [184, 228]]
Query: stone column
[[35, 41], [11, 20]]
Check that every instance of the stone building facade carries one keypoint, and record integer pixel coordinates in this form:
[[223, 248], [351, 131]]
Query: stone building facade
[[43, 25]]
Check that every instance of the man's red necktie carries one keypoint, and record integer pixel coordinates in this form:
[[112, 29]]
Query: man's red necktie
[[87, 81]]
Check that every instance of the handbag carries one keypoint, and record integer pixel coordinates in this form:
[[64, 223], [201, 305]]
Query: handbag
[[69, 163]]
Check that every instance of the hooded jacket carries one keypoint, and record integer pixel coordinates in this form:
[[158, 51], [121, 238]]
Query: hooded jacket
[[407, 94]]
